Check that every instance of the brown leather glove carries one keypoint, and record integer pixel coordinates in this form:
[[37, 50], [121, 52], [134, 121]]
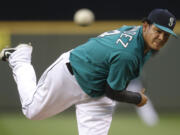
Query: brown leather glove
[[143, 98]]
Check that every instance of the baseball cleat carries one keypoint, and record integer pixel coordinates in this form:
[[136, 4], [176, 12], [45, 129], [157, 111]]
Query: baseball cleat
[[5, 53]]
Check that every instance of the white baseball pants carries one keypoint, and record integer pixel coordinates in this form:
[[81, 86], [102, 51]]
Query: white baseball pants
[[56, 91]]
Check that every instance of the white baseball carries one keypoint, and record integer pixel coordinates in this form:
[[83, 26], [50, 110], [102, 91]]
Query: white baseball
[[84, 17]]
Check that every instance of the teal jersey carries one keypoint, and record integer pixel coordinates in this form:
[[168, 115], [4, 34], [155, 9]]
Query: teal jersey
[[115, 57]]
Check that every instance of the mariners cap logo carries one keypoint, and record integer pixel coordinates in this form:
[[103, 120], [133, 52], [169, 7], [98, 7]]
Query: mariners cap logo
[[171, 21]]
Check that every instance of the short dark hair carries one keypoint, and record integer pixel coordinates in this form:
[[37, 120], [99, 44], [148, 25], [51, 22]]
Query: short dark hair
[[145, 19]]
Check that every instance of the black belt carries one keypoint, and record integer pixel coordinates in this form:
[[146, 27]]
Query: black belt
[[69, 68]]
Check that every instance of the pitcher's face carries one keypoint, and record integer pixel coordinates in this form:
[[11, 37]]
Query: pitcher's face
[[154, 37]]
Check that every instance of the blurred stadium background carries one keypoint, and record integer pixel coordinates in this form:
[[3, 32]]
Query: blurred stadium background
[[50, 29]]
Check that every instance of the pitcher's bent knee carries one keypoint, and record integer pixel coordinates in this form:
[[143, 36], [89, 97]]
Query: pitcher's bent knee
[[33, 114]]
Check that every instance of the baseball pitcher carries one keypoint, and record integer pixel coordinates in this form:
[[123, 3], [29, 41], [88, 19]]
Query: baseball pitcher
[[93, 76]]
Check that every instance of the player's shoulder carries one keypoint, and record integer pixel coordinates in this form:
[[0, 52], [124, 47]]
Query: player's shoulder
[[132, 36], [130, 28]]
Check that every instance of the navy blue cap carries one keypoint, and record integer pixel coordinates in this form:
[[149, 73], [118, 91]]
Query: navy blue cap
[[163, 19]]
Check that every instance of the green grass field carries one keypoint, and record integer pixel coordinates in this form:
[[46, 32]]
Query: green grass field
[[65, 124]]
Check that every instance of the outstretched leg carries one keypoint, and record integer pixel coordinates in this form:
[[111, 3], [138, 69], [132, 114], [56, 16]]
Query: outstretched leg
[[23, 72], [56, 90]]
